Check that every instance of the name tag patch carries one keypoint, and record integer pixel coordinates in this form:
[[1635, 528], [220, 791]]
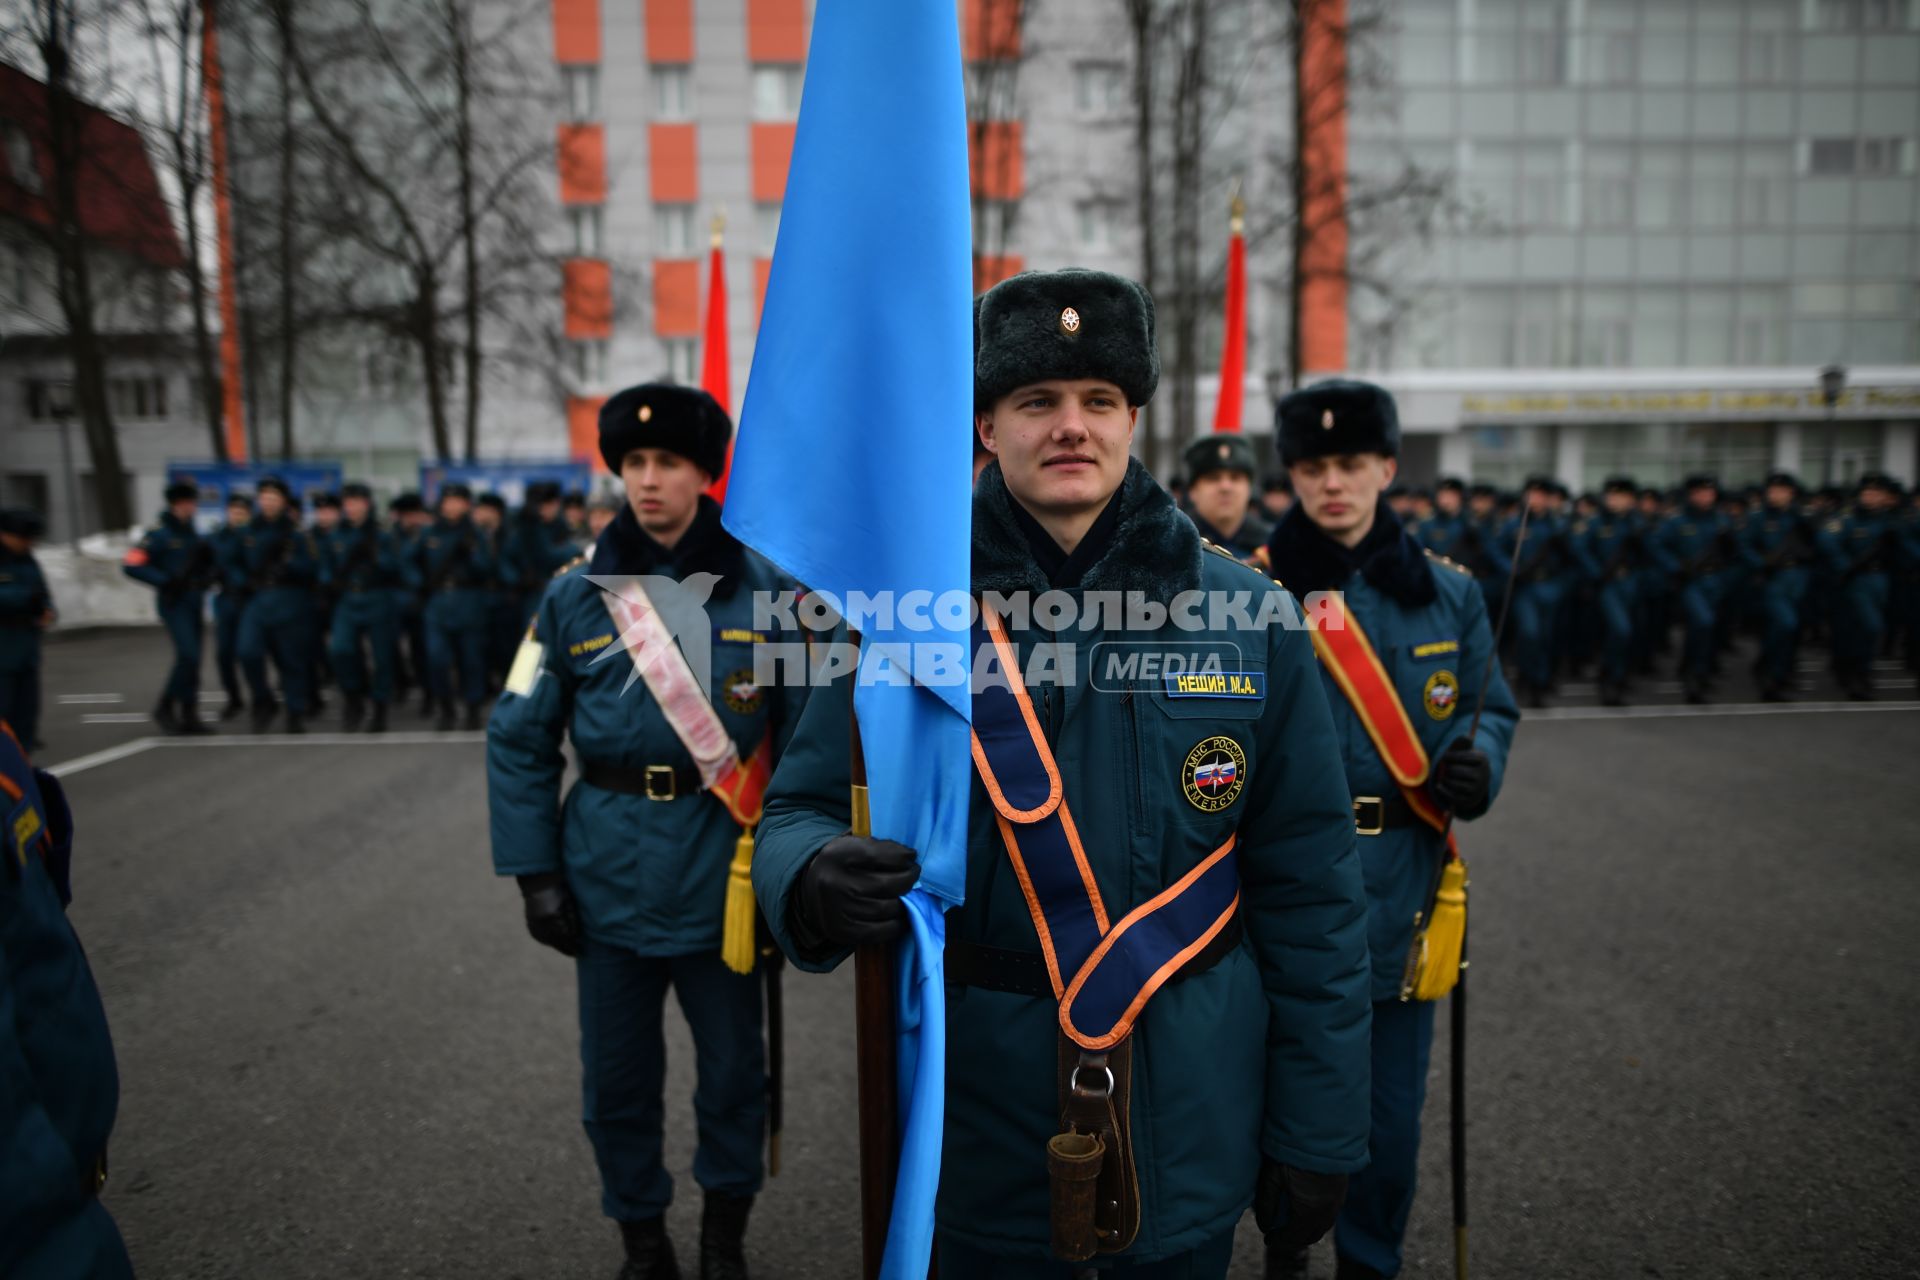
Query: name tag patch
[[1435, 648], [589, 646], [1218, 684], [740, 635]]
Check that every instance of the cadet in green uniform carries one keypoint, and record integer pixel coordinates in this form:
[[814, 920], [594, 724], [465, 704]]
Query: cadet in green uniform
[[1861, 548], [1427, 625], [278, 623], [26, 609], [453, 563], [1250, 1068], [361, 567], [1220, 471], [1780, 544], [628, 874], [177, 563], [230, 575]]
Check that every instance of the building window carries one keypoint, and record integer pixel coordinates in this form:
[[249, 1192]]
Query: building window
[[1882, 157], [1543, 57], [1858, 15], [589, 361], [672, 92], [1540, 200], [1614, 57], [766, 228], [1869, 157], [134, 398], [20, 159], [1094, 222], [1609, 201], [1603, 342], [584, 222], [1763, 59], [1762, 201], [1830, 157], [776, 92], [49, 401], [673, 235], [992, 90], [19, 273], [1100, 89], [680, 353], [581, 85]]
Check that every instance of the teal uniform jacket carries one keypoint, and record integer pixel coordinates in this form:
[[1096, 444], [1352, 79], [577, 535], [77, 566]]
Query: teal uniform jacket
[[24, 600], [1698, 546], [280, 566], [359, 558], [455, 563], [58, 1086], [649, 875], [175, 560], [1428, 624], [1264, 1053]]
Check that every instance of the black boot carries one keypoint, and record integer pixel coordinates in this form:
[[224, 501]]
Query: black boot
[[379, 722], [190, 721], [235, 708], [446, 720], [1286, 1266], [428, 705], [355, 712], [296, 722], [473, 723], [264, 710], [1348, 1269], [649, 1252], [723, 1232], [163, 715], [1696, 690], [1613, 694]]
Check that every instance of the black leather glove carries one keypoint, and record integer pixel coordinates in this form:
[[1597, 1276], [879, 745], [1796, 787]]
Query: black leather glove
[[553, 918], [1294, 1208], [849, 895], [1461, 778]]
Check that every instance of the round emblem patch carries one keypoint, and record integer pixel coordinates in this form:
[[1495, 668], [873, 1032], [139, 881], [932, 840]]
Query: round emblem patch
[[1215, 771], [1070, 321], [1442, 694], [742, 694]]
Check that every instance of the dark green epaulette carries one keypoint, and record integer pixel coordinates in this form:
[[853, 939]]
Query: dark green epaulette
[[1454, 565], [1219, 550], [1260, 552], [570, 565]]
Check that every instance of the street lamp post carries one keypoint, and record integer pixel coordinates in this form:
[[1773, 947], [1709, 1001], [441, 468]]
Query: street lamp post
[[1833, 382]]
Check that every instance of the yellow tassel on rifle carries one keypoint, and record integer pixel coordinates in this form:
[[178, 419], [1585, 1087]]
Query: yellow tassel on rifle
[[1435, 964], [737, 932]]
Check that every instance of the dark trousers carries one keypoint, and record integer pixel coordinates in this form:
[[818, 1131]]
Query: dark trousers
[[277, 625], [364, 633], [227, 608], [1373, 1221], [20, 701], [1780, 603], [1615, 606], [185, 625], [1208, 1262], [623, 1057], [1699, 602], [1536, 610], [1859, 622], [83, 1246], [457, 637]]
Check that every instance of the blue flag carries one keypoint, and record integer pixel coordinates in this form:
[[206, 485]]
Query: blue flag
[[853, 470]]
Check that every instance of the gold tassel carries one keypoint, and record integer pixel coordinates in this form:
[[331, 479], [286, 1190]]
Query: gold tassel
[[1437, 947], [736, 937]]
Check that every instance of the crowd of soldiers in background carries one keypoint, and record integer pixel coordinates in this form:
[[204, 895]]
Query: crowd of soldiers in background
[[428, 603], [1605, 580]]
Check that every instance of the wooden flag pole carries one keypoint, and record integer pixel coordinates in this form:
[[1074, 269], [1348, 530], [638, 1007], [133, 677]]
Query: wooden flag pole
[[874, 1054]]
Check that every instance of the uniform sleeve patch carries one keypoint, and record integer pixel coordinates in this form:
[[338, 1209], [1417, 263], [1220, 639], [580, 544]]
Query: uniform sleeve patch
[[1435, 648], [593, 645], [525, 672], [1218, 684]]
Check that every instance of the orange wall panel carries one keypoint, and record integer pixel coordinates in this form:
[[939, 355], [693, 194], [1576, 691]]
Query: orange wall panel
[[583, 428], [776, 30], [997, 150], [772, 151], [675, 163], [989, 269], [762, 269], [676, 298], [1323, 156], [669, 30], [576, 31], [989, 30], [586, 287], [583, 164]]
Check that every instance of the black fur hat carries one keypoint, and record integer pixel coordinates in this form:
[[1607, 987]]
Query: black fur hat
[[354, 489], [182, 491], [1221, 451], [1063, 324], [664, 415], [1337, 416]]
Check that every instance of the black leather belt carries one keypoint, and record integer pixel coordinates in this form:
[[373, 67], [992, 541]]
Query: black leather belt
[[654, 781], [1374, 814], [1024, 973]]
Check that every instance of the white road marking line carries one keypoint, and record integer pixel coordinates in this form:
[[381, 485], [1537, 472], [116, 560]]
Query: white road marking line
[[419, 739], [80, 764], [89, 699], [1725, 709], [115, 717]]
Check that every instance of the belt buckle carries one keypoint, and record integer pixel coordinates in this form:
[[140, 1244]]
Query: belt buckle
[[663, 774], [1365, 807]]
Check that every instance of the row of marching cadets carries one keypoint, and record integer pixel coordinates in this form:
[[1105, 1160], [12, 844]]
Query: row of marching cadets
[[434, 600], [1287, 834]]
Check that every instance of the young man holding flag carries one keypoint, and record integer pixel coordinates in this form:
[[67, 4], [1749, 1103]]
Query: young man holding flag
[[1162, 945], [638, 874], [1412, 649]]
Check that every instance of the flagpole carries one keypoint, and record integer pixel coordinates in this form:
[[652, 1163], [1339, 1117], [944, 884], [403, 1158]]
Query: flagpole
[[873, 1052]]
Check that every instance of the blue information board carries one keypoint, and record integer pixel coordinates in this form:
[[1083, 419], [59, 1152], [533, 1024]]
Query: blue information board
[[508, 479]]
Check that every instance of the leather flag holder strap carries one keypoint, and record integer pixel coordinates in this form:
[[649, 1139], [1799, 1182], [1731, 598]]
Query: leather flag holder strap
[[1103, 972]]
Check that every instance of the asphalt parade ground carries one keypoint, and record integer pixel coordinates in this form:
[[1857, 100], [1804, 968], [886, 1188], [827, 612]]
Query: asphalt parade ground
[[1695, 1006]]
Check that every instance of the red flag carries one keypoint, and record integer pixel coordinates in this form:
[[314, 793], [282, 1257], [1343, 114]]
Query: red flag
[[1233, 351], [713, 369]]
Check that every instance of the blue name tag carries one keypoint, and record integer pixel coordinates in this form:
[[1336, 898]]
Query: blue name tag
[[1218, 684]]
